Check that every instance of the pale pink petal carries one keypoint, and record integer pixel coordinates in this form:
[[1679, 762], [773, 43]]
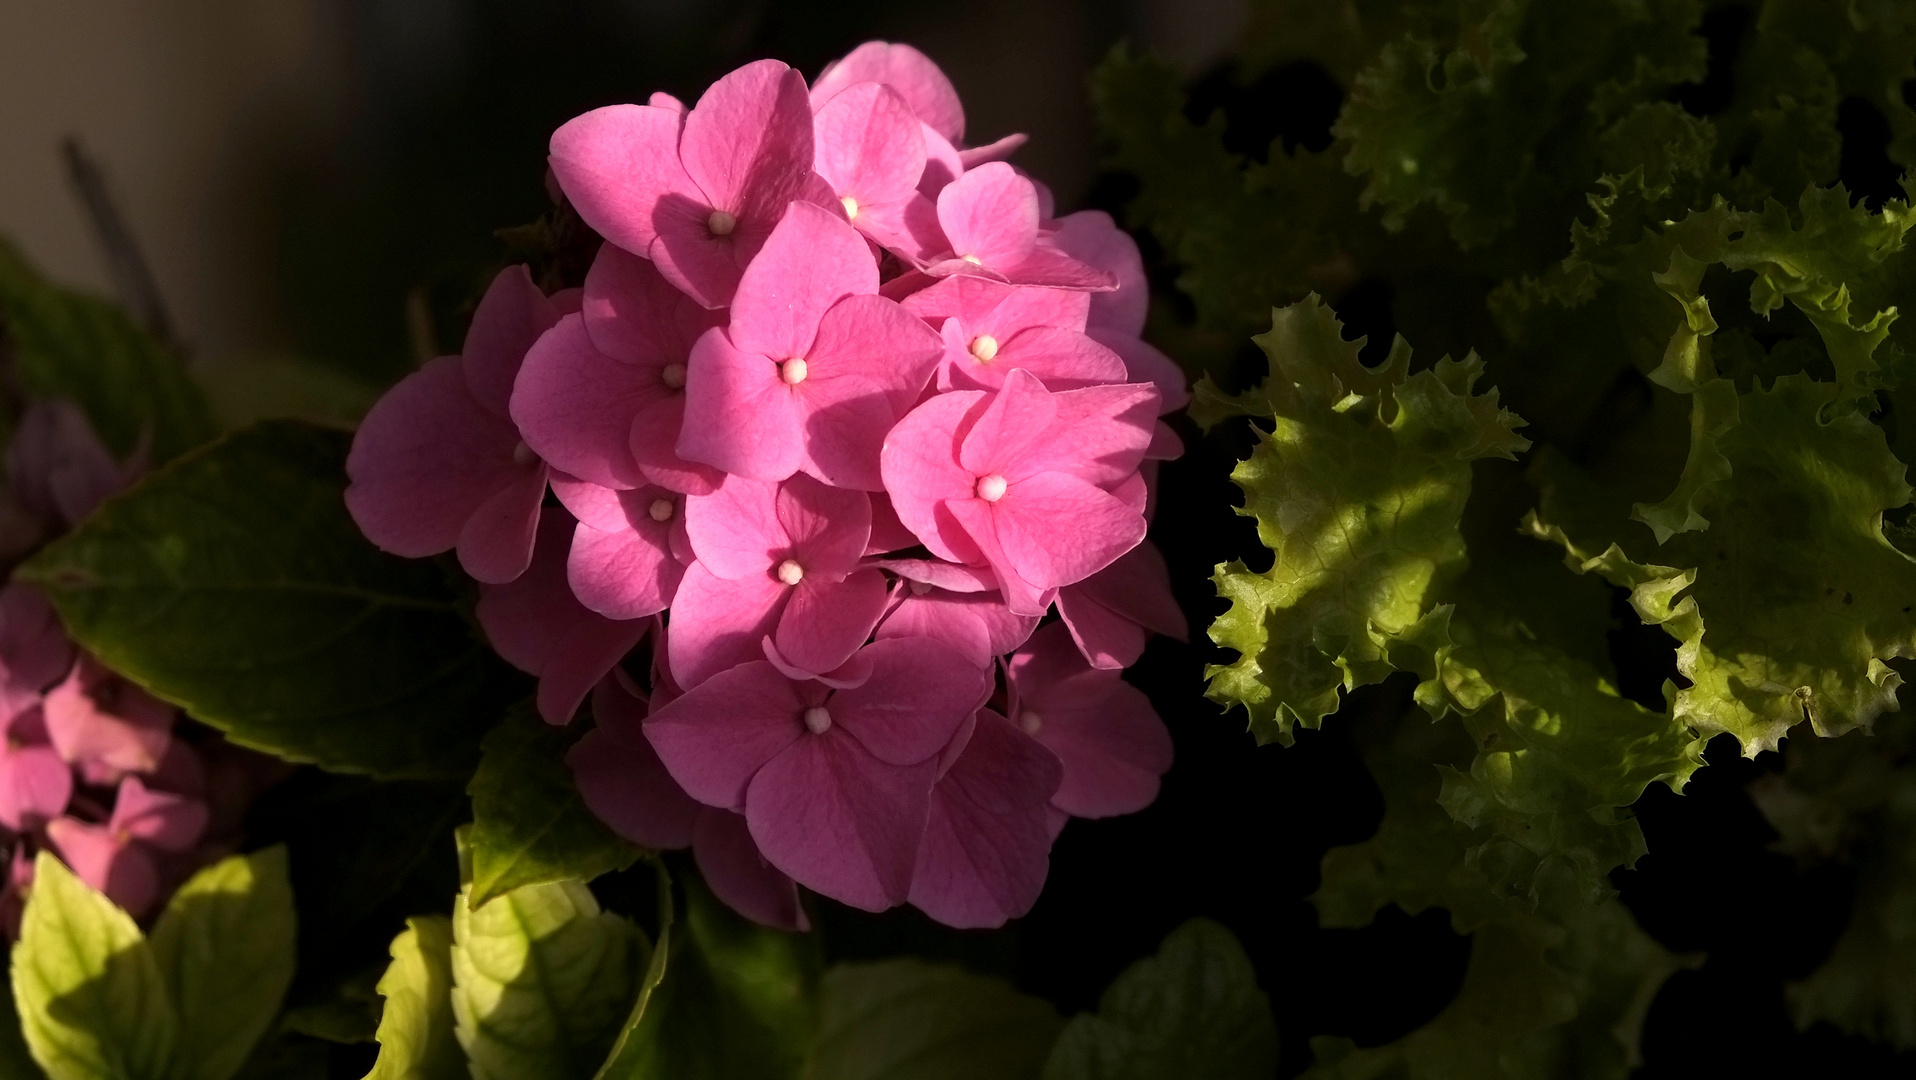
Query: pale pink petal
[[919, 693], [740, 416], [730, 862], [906, 70], [1020, 415], [426, 458], [839, 821], [106, 726], [987, 842], [869, 364], [509, 318], [919, 464], [123, 871], [990, 215], [1056, 529], [716, 736], [574, 405], [992, 151], [717, 624], [495, 545], [35, 786], [824, 623], [810, 262], [1144, 363], [868, 146], [615, 164], [825, 528], [167, 821], [621, 778], [1090, 236]]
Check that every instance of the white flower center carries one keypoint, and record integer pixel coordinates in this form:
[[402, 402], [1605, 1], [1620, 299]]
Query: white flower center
[[1030, 722], [790, 572], [991, 488], [817, 720], [673, 376], [721, 223], [792, 371], [984, 347], [973, 260], [523, 455], [851, 207], [660, 510]]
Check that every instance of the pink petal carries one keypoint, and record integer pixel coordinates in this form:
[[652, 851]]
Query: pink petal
[[990, 215], [591, 649], [426, 458], [1111, 742], [992, 151], [510, 317], [35, 786], [123, 871], [987, 843], [1090, 236], [839, 821], [747, 144], [868, 146], [1021, 413], [1099, 436], [977, 519], [825, 622], [58, 467], [1144, 363], [730, 862], [869, 364], [621, 778], [716, 736], [951, 577], [495, 545], [34, 650], [1056, 529], [626, 572], [1061, 359], [907, 226], [574, 405], [740, 416], [663, 100], [977, 624], [736, 531], [919, 692], [633, 314], [654, 445], [942, 165], [1165, 444], [717, 624], [810, 262], [919, 464], [906, 70], [615, 164], [106, 726], [853, 672], [167, 821], [826, 528], [888, 533]]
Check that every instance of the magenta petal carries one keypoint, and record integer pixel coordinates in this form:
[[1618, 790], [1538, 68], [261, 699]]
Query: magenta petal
[[426, 457], [919, 464], [622, 780], [868, 146], [121, 870], [1090, 236], [825, 622], [167, 821], [718, 624], [615, 164], [574, 405], [716, 736], [825, 527], [987, 843], [919, 693], [35, 786], [907, 71], [510, 317], [1056, 529], [990, 215], [810, 262], [495, 545], [730, 862], [740, 416], [839, 821]]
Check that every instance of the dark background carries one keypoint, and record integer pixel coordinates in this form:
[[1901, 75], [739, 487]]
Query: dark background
[[433, 135]]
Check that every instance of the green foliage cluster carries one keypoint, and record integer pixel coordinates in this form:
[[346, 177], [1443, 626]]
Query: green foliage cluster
[[1641, 247]]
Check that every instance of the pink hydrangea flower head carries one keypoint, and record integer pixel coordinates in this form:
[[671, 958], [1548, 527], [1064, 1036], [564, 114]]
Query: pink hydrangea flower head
[[834, 783], [814, 367], [35, 782], [1113, 612], [1113, 746], [990, 328], [34, 650], [105, 726], [695, 191], [602, 395], [778, 561], [990, 218], [872, 154], [1117, 317], [629, 549], [958, 605], [122, 857], [911, 74], [987, 843], [539, 627], [1017, 480], [57, 466], [438, 462]]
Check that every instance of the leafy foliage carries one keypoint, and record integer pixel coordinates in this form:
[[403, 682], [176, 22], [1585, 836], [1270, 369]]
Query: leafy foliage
[[234, 583], [904, 1018], [416, 1040]]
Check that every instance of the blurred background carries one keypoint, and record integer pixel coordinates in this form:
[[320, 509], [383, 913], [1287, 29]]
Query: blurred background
[[295, 169]]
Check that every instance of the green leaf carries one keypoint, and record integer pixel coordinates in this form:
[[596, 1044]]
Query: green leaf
[[906, 1019], [92, 998], [416, 1040], [541, 981], [15, 1059], [529, 825], [1357, 490], [67, 344], [234, 583], [246, 391], [225, 946], [732, 999], [1194, 1009]]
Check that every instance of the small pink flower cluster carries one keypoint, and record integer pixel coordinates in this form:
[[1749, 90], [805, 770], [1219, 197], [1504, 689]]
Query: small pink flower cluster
[[91, 767], [839, 415]]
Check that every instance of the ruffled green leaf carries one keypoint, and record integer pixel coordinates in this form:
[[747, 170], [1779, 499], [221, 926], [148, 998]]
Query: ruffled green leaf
[[416, 1040], [1194, 1009], [1357, 490], [906, 1019]]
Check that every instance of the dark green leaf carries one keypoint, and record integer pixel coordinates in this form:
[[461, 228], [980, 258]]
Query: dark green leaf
[[908, 1020], [234, 583]]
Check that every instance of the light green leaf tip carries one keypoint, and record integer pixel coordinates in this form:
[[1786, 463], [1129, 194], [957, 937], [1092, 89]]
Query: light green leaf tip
[[416, 1040]]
